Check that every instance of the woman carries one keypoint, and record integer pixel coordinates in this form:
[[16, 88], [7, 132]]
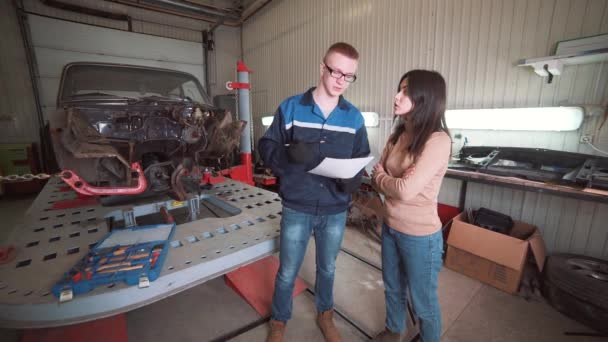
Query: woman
[[409, 176]]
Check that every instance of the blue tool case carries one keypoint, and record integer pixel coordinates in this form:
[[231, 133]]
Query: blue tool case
[[130, 255]]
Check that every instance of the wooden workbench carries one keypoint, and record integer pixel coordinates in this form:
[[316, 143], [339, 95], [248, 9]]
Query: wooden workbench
[[588, 194]]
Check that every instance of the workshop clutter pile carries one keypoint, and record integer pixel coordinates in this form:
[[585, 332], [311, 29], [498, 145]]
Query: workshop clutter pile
[[510, 255], [493, 248], [133, 255]]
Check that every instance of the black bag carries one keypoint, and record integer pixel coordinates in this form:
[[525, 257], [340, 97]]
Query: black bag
[[493, 220]]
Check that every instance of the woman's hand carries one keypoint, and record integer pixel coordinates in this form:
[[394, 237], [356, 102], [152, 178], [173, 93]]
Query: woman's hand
[[377, 170], [409, 171]]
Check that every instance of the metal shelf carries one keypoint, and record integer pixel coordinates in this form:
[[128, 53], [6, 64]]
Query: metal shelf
[[585, 50], [594, 56]]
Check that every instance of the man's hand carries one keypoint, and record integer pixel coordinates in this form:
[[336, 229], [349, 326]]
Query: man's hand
[[349, 185], [302, 153]]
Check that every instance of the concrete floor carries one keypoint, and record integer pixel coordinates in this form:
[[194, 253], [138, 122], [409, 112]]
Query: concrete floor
[[471, 311]]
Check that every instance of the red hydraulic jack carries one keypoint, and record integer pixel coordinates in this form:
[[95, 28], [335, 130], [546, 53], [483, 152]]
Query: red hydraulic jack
[[242, 173]]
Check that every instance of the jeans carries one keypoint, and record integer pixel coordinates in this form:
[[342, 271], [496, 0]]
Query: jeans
[[296, 229], [412, 262]]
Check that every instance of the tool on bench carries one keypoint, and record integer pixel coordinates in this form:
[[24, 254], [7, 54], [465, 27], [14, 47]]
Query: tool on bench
[[132, 255], [105, 260], [121, 269]]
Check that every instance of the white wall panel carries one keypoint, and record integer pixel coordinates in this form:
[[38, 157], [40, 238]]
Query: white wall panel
[[168, 31], [18, 121], [37, 7], [475, 44], [142, 20], [51, 63], [222, 61], [18, 118], [58, 42], [450, 192], [73, 37]]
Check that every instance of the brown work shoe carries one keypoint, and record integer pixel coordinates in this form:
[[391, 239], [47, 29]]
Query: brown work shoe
[[388, 336], [277, 330], [325, 320]]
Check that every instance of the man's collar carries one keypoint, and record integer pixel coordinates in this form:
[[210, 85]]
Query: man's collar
[[307, 100]]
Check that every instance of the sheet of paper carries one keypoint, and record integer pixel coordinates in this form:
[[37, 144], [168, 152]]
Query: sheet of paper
[[340, 168], [131, 237]]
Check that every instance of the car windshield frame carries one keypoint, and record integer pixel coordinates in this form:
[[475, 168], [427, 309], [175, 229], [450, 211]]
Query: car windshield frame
[[116, 82]]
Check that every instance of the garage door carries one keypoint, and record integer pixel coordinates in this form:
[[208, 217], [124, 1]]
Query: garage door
[[58, 42]]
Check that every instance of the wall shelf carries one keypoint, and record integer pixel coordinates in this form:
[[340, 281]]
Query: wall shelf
[[586, 57], [586, 50]]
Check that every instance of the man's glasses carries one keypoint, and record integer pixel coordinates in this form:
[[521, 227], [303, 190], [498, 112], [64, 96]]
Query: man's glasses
[[337, 75]]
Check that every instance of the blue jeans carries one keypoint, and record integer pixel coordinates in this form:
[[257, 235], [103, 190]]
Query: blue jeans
[[412, 262], [296, 229]]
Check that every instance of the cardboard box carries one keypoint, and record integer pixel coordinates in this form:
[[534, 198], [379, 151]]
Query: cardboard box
[[493, 258]]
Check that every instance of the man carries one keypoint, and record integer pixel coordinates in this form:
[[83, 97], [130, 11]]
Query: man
[[307, 128]]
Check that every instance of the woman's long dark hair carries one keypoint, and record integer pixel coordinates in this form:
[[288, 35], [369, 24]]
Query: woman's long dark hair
[[427, 91]]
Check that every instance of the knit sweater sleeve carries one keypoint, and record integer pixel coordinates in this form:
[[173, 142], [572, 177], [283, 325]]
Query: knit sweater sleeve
[[382, 160], [434, 159]]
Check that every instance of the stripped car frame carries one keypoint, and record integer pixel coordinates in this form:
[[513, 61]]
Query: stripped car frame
[[134, 130]]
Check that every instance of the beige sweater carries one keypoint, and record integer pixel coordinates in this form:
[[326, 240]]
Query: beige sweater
[[411, 190]]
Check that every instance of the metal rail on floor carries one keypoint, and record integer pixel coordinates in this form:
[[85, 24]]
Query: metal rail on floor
[[379, 268], [51, 241], [338, 311], [242, 330], [345, 317]]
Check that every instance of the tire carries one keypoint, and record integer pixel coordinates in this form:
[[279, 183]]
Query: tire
[[580, 311], [583, 277]]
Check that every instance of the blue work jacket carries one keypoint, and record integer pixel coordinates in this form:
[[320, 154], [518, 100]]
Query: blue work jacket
[[341, 135]]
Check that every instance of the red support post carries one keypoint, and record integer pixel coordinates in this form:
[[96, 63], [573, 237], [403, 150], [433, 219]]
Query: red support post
[[248, 166]]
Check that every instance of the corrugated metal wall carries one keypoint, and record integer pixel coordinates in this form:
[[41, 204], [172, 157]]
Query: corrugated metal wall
[[475, 44]]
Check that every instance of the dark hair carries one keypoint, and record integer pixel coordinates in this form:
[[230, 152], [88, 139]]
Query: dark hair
[[344, 49], [427, 91]]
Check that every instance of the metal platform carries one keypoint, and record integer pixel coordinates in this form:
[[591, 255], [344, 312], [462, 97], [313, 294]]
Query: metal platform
[[50, 241]]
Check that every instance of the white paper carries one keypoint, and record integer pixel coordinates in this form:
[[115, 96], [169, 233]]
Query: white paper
[[341, 168], [134, 236]]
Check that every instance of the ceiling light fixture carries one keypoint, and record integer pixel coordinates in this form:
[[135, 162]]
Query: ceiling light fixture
[[517, 119]]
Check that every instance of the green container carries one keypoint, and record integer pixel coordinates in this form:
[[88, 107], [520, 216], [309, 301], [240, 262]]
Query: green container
[[14, 159]]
